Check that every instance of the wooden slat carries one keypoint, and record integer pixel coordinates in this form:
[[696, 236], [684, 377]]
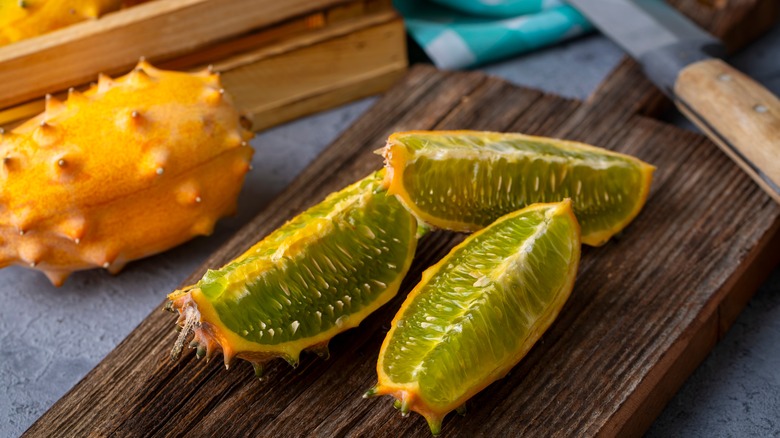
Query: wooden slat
[[157, 30], [352, 62], [373, 83], [639, 303], [350, 58]]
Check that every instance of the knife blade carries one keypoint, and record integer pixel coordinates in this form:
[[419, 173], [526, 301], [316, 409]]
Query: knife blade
[[682, 60]]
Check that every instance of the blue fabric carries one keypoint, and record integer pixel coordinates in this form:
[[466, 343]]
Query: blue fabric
[[466, 33], [498, 8]]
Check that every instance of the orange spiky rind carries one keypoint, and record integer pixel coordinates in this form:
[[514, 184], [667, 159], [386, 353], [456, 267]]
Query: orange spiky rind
[[407, 401], [433, 358], [119, 172], [320, 274], [25, 19]]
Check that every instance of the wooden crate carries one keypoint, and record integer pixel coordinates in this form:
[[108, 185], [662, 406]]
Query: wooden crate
[[279, 60]]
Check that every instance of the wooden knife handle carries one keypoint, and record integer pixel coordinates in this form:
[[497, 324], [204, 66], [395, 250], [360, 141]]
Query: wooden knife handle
[[736, 112]]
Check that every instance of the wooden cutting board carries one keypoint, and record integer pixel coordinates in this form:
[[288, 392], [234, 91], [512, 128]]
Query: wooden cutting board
[[646, 309]]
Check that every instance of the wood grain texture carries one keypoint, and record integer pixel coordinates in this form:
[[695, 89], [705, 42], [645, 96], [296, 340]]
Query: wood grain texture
[[359, 62], [641, 304], [738, 114], [375, 82]]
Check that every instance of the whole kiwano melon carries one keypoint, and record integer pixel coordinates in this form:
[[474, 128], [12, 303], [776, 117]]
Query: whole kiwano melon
[[129, 168]]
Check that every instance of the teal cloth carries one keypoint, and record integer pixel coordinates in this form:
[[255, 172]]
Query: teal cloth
[[459, 34]]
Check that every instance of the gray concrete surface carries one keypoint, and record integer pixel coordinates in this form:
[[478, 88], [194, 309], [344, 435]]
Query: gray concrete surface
[[50, 338]]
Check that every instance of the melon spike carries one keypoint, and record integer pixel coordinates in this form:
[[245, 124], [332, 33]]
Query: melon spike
[[73, 228], [53, 105], [371, 392], [57, 277], [213, 96], [45, 134], [293, 360], [116, 267], [75, 99], [131, 119], [434, 423], [138, 77], [209, 75], [211, 350], [259, 369], [31, 252], [105, 83], [242, 167], [63, 169], [101, 255], [22, 220], [234, 140], [405, 408], [189, 193], [227, 354], [203, 227], [144, 65], [321, 350]]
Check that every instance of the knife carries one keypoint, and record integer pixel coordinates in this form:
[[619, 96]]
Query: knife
[[738, 114]]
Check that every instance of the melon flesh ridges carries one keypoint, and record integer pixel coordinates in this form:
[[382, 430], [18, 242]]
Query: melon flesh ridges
[[479, 310], [129, 168], [319, 274]]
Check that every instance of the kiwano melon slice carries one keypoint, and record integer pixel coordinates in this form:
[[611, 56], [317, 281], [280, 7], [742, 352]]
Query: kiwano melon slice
[[477, 312], [318, 275], [129, 168], [464, 180]]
